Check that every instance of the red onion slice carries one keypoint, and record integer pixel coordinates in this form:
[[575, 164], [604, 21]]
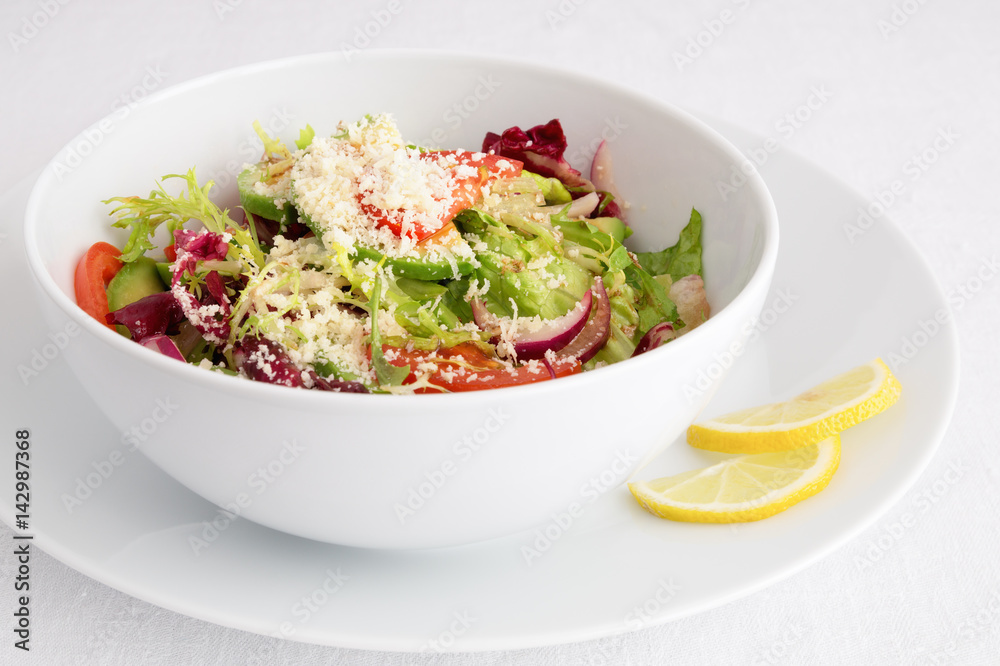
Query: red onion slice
[[164, 345], [596, 331], [483, 317], [553, 334], [655, 337], [602, 175]]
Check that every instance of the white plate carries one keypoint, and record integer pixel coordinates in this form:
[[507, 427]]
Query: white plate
[[609, 569]]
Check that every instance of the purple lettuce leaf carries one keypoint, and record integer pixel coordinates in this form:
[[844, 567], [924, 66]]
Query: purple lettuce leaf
[[156, 314], [541, 149], [337, 385], [264, 360], [211, 322], [195, 246], [216, 291]]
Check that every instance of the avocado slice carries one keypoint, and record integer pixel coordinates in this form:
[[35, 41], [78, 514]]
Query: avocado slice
[[579, 231], [418, 268], [552, 189], [133, 282], [270, 207], [613, 227]]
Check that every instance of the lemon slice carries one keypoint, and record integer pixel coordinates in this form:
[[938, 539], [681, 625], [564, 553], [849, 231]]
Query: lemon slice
[[827, 409], [742, 489]]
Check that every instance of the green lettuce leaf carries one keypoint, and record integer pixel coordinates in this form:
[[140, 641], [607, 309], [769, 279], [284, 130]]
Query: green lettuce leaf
[[652, 305], [387, 373], [681, 259], [429, 312], [549, 289]]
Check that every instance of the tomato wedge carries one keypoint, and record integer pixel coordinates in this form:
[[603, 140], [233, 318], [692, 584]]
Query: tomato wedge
[[468, 190], [484, 373], [93, 274]]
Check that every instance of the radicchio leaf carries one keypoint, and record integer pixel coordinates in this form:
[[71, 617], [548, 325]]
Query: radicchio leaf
[[194, 246], [217, 290], [337, 385], [541, 149], [155, 314], [264, 360]]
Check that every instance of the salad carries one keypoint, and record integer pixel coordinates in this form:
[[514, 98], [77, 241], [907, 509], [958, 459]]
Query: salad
[[359, 263]]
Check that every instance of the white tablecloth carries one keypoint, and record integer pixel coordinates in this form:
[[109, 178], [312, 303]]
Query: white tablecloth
[[892, 76]]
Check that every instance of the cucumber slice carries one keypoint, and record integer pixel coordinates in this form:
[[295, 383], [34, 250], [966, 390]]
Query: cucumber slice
[[163, 270], [134, 281], [276, 207]]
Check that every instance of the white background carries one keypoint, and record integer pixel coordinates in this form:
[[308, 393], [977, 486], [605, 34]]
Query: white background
[[897, 74]]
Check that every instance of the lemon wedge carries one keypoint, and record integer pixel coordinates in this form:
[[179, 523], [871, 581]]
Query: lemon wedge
[[827, 409], [744, 488]]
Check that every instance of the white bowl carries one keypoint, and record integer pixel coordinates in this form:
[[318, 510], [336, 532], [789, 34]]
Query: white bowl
[[405, 471]]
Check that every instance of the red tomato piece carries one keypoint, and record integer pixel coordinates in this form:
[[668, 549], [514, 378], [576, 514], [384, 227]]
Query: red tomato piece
[[484, 373], [93, 273], [468, 190], [496, 166]]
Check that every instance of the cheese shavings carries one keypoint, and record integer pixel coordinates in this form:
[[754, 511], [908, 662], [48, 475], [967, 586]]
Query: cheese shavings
[[351, 184], [302, 301]]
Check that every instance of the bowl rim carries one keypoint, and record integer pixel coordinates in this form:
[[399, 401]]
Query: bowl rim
[[281, 395]]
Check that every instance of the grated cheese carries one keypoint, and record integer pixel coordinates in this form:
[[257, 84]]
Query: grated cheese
[[334, 180], [328, 330]]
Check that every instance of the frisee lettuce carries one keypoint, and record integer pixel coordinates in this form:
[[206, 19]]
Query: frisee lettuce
[[273, 148], [305, 137], [144, 215], [279, 277]]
